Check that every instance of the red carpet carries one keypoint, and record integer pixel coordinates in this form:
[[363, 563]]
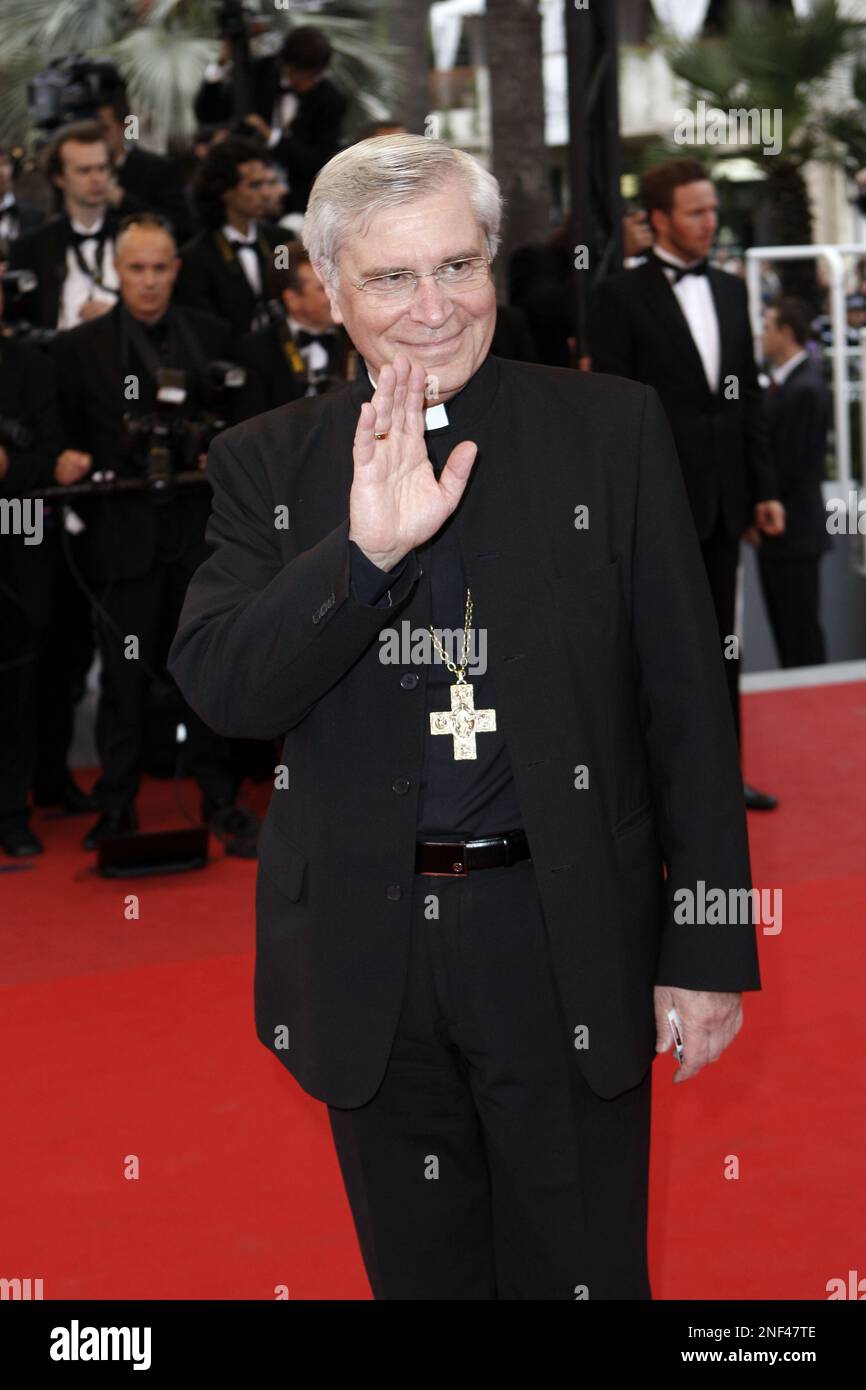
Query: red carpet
[[133, 1041]]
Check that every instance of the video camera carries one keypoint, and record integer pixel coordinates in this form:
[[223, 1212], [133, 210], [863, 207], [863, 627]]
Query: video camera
[[71, 89], [164, 444]]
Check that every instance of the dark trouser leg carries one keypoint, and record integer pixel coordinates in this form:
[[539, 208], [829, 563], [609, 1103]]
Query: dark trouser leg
[[721, 554], [65, 659], [791, 593], [132, 605], [484, 1166], [206, 756], [19, 652]]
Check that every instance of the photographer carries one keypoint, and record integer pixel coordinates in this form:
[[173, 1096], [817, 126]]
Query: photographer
[[72, 254], [145, 544], [302, 352], [227, 268], [296, 109], [40, 619], [154, 179]]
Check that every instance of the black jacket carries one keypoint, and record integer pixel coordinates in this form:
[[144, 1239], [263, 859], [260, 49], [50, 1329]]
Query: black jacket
[[798, 419], [27, 397], [213, 280], [91, 376], [158, 184], [604, 649], [44, 252], [272, 379], [638, 330], [310, 141]]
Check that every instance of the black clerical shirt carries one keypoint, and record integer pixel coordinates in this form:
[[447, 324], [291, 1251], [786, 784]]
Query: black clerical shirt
[[478, 796]]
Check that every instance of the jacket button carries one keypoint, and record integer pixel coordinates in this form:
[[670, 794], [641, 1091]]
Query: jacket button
[[400, 785], [409, 681], [393, 891]]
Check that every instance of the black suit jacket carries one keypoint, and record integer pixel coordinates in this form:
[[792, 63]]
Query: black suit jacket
[[123, 531], [638, 330], [44, 252], [213, 284], [310, 141], [157, 182], [604, 648], [27, 394], [798, 419], [271, 379]]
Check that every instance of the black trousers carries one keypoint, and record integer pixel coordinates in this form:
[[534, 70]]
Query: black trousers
[[791, 592], [45, 653], [721, 552], [484, 1167], [148, 607]]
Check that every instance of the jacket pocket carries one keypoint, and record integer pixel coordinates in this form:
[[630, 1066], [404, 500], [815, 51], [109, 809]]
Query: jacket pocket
[[635, 818], [281, 859]]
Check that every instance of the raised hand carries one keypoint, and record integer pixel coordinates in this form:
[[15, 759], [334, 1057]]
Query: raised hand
[[396, 502]]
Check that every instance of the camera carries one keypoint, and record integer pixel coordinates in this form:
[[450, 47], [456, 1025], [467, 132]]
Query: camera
[[71, 89], [165, 442]]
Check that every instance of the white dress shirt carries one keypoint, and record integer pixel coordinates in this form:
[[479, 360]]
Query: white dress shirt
[[696, 301], [78, 287], [8, 218], [247, 256], [435, 416]]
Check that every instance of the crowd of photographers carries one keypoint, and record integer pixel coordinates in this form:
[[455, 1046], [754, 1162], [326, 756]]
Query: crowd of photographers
[[155, 305]]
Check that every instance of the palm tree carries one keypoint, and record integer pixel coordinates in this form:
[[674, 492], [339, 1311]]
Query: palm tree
[[772, 60], [519, 155], [162, 48]]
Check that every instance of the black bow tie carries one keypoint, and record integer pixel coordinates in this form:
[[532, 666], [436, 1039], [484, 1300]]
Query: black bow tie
[[238, 243], [79, 238], [305, 338], [680, 271]]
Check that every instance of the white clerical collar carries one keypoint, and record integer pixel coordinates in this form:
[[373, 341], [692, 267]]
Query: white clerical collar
[[780, 374], [435, 416], [232, 233]]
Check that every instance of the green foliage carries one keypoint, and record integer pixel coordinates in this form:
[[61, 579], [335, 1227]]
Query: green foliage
[[162, 48]]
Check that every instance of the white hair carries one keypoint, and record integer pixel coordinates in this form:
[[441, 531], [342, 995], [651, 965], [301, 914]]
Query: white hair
[[383, 172]]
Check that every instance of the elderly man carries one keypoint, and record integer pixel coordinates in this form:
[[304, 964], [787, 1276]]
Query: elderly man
[[466, 942]]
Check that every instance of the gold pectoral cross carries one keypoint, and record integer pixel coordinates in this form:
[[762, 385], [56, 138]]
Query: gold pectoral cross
[[463, 721]]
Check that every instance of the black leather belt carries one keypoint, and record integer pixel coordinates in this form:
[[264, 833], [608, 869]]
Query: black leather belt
[[455, 858]]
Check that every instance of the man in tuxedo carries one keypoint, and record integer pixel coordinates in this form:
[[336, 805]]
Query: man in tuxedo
[[297, 109], [682, 327], [487, 640], [143, 548], [302, 352], [227, 268], [798, 411], [72, 253], [153, 179]]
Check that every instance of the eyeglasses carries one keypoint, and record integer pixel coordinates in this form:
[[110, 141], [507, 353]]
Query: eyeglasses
[[400, 285]]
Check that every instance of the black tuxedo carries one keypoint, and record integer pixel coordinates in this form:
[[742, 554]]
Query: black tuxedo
[[638, 330], [314, 135], [603, 654], [276, 376], [212, 278], [44, 252], [123, 531], [798, 415]]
